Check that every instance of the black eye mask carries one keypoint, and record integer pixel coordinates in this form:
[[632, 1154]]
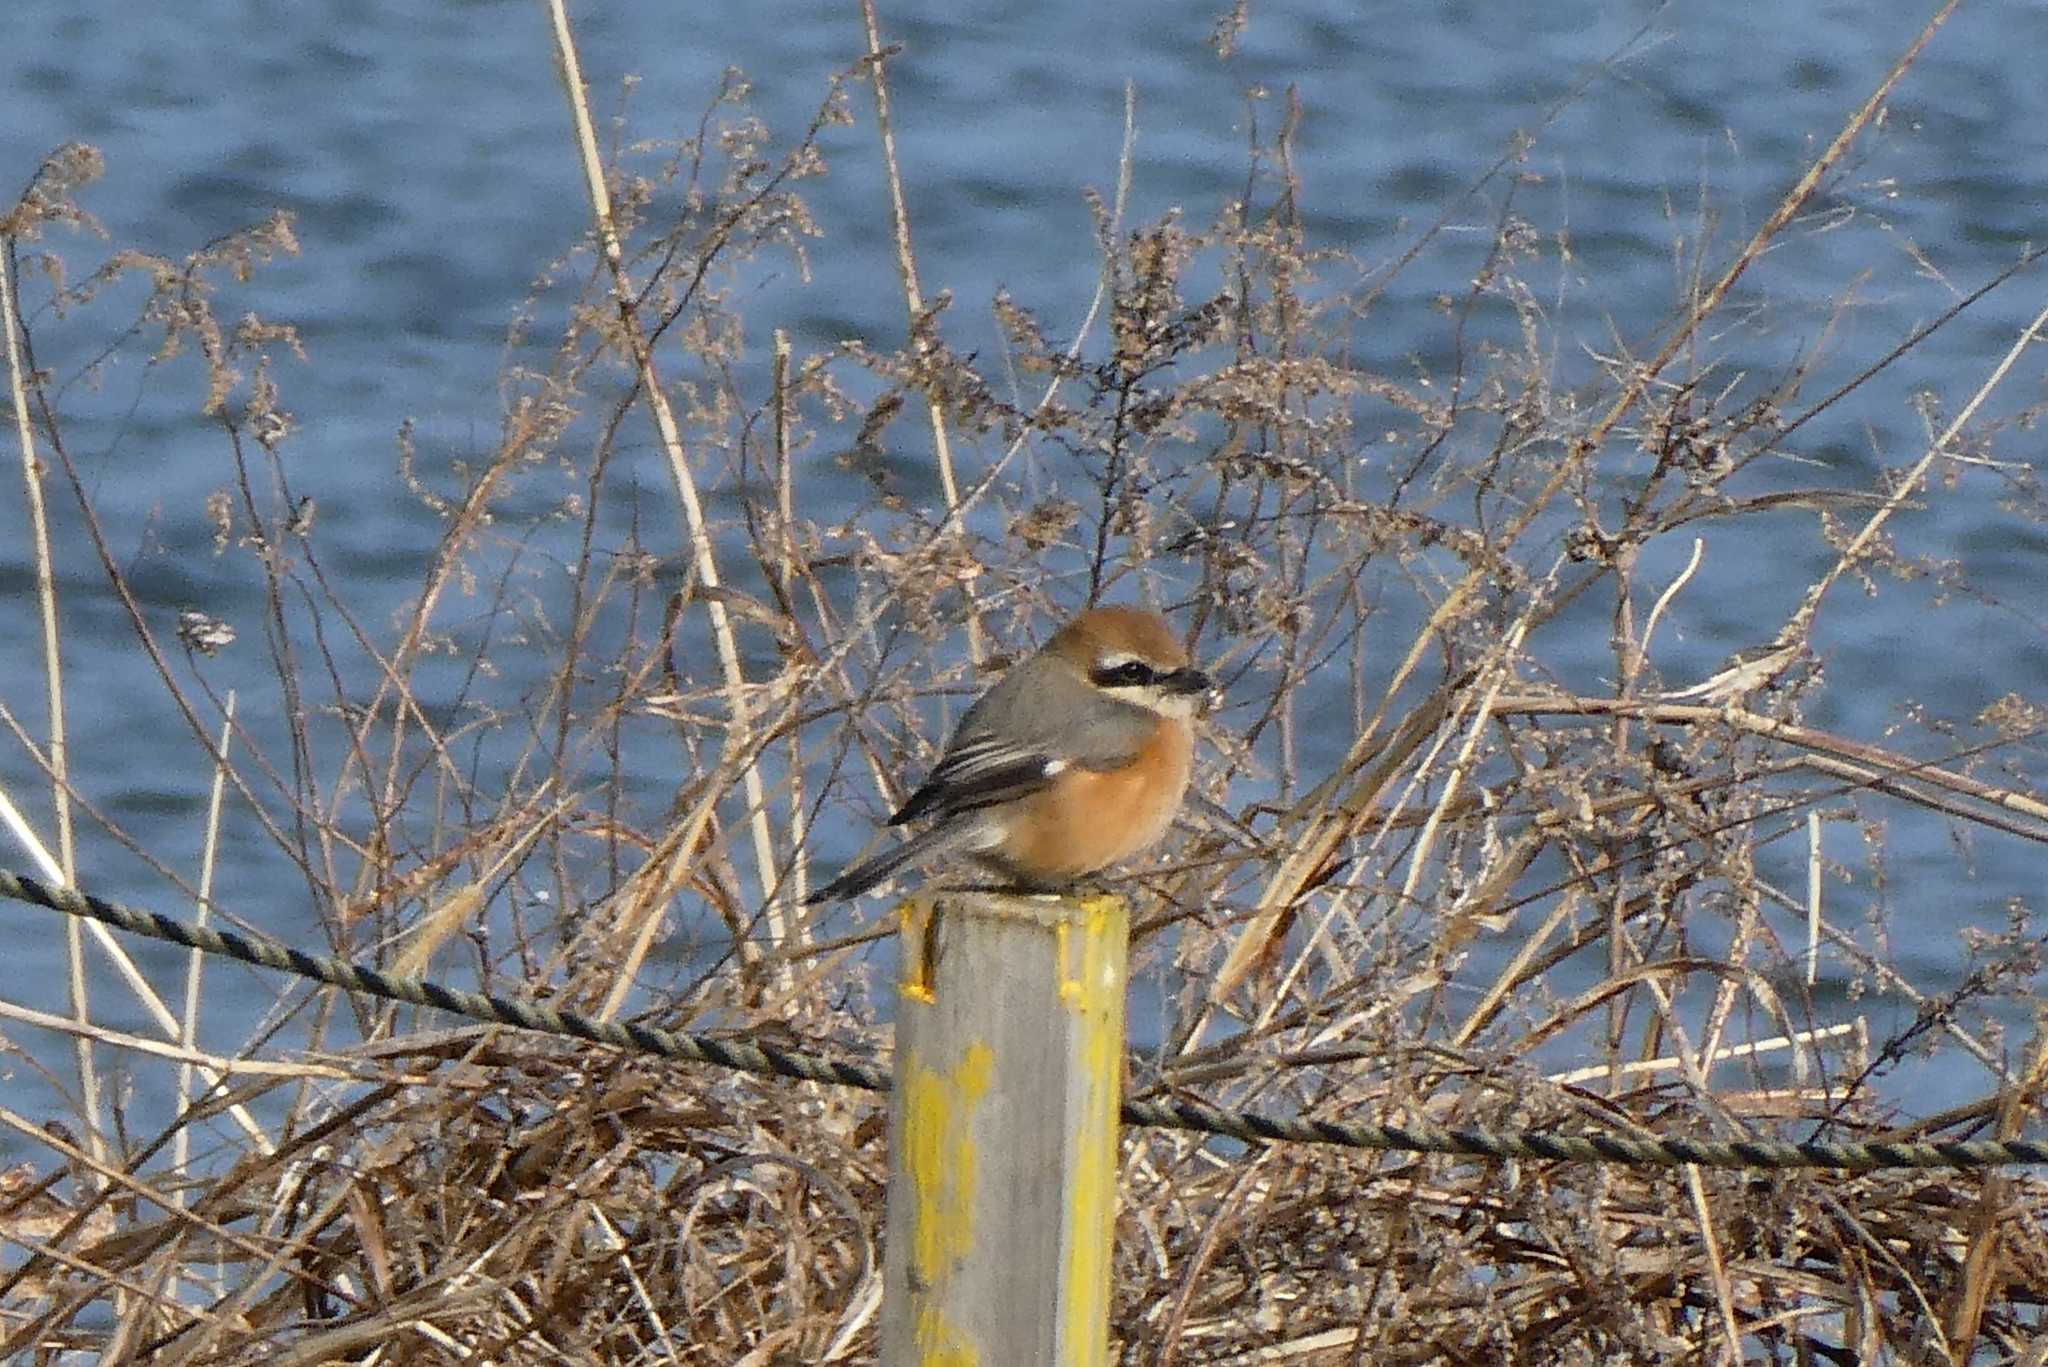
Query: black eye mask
[[1129, 674]]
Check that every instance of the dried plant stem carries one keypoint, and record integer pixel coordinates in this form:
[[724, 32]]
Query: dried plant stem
[[665, 873], [186, 1056], [1642, 377], [906, 257], [119, 1177], [1875, 760], [1907, 486], [781, 925], [621, 1249], [1717, 1267], [1418, 856], [1502, 671], [1981, 1265], [1758, 984], [1795, 199], [798, 826], [124, 965], [1330, 824], [1800, 1042], [1126, 153], [53, 677], [913, 295], [181, 1145], [1642, 649], [1813, 880]]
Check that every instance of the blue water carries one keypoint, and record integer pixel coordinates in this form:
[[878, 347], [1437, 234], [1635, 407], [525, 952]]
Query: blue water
[[428, 168]]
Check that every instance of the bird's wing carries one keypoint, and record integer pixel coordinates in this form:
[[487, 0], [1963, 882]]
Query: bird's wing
[[980, 772], [982, 768]]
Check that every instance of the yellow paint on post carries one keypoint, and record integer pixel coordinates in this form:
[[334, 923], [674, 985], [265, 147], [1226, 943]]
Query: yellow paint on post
[[942, 1157], [914, 936], [1063, 949], [1098, 1004], [938, 1109]]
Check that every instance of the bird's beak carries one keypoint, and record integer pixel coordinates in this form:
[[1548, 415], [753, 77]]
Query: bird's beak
[[1189, 680]]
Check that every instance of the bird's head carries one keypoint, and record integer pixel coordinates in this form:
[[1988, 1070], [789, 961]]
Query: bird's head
[[1131, 655]]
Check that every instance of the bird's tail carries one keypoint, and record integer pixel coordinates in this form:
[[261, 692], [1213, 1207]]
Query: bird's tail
[[943, 838]]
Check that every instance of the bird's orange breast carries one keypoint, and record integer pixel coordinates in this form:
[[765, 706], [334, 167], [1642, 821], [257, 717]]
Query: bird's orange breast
[[1088, 819]]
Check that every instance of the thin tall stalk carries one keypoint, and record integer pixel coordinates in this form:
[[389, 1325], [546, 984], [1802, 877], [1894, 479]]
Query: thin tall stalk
[[57, 747], [782, 925]]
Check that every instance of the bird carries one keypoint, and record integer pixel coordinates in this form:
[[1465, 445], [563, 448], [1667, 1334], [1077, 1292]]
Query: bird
[[1075, 760]]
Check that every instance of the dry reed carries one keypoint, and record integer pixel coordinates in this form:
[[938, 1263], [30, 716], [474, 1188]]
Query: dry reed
[[602, 785]]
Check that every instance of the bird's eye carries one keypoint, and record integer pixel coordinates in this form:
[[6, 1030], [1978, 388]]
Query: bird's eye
[[1129, 674]]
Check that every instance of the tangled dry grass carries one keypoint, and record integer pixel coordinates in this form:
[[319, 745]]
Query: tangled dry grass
[[1496, 899]]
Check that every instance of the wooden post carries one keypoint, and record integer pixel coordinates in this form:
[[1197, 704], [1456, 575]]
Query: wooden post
[[1003, 1132]]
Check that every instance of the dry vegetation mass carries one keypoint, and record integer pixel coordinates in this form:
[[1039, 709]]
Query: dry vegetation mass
[[1421, 875]]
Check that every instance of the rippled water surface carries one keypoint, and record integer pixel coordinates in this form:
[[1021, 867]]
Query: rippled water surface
[[427, 165]]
